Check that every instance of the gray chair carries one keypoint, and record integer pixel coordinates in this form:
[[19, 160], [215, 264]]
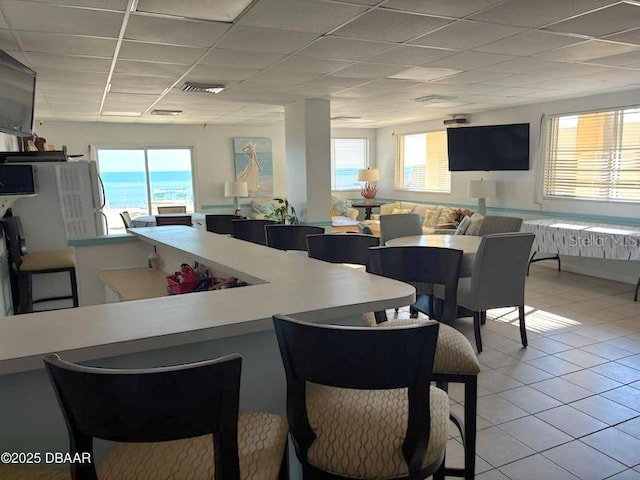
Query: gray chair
[[499, 225], [399, 225], [126, 219], [497, 279]]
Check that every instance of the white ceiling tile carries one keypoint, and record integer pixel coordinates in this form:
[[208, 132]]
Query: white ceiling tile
[[174, 31], [368, 70], [88, 78], [343, 48], [621, 75], [465, 35], [266, 40], [155, 52], [573, 70], [536, 13], [278, 76], [115, 101], [334, 83], [377, 87], [218, 10], [121, 83], [219, 57], [528, 43], [299, 63], [153, 69], [520, 65], [612, 19], [456, 8], [120, 5], [390, 26], [41, 17], [470, 60], [473, 77], [211, 74], [300, 16], [408, 55], [629, 59], [517, 80], [632, 36], [67, 44], [6, 41], [68, 62], [424, 74], [588, 50]]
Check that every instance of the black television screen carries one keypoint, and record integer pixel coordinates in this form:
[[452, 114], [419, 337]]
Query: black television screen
[[17, 179], [17, 94], [492, 147]]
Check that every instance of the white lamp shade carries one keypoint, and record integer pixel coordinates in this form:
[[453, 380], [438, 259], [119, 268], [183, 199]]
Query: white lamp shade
[[236, 189], [369, 175], [481, 189]]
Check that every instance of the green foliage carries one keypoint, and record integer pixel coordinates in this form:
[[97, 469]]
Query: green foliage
[[284, 212]]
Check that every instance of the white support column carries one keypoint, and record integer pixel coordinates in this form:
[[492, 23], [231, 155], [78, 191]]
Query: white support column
[[308, 158]]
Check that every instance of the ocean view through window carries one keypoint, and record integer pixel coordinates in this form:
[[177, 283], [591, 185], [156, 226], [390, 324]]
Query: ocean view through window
[[348, 155], [141, 179]]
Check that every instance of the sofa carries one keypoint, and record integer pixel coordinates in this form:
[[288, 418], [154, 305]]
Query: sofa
[[436, 218], [261, 208]]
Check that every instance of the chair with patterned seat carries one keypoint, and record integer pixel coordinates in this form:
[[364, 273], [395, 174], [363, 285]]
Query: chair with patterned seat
[[359, 400], [26, 265], [177, 422]]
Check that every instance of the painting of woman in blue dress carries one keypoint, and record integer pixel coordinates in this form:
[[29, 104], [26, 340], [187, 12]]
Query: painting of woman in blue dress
[[254, 165]]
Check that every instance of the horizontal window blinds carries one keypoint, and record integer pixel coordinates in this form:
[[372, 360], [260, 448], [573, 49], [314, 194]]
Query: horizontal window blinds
[[594, 156], [348, 155], [422, 162]]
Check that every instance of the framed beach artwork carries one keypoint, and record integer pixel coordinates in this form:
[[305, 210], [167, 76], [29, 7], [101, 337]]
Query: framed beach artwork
[[253, 160]]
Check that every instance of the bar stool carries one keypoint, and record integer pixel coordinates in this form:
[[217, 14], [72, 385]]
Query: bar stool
[[177, 422], [251, 230], [290, 237], [341, 248], [25, 265]]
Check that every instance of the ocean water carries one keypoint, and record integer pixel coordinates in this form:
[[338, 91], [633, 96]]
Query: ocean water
[[129, 190]]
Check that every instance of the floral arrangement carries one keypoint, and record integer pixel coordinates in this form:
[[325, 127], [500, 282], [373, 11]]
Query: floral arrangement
[[369, 191]]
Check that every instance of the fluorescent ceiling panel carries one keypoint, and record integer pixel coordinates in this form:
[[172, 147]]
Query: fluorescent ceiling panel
[[217, 10], [424, 74]]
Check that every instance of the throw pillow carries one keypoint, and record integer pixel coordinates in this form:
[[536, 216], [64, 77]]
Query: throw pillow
[[447, 215], [463, 226], [339, 207], [431, 216], [265, 208], [474, 224], [401, 210]]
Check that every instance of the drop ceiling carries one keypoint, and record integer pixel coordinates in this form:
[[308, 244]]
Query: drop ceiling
[[118, 60]]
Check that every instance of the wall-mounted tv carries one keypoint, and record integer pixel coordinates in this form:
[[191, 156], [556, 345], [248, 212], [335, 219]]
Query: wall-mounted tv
[[491, 147], [17, 95]]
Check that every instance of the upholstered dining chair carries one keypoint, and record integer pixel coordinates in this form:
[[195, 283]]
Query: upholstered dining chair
[[290, 237], [359, 400], [455, 360], [163, 220], [172, 209], [221, 223], [126, 219], [25, 265], [250, 230], [399, 225], [180, 419], [496, 224], [341, 247], [497, 280]]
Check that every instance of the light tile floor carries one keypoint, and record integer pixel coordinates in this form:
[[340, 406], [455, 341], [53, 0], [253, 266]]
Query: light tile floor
[[568, 406]]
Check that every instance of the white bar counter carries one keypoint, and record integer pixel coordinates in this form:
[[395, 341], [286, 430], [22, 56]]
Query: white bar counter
[[281, 282]]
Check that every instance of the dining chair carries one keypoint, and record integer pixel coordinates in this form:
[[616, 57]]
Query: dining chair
[[399, 225], [163, 220], [455, 361], [180, 421], [497, 224], [25, 265], [341, 247], [359, 400], [172, 209], [221, 223], [251, 230], [497, 280], [126, 219], [290, 237]]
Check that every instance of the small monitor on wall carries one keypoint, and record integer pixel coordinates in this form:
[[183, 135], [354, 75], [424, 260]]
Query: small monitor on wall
[[491, 147], [17, 96]]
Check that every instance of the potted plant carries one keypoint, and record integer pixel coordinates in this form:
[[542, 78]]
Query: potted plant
[[284, 213]]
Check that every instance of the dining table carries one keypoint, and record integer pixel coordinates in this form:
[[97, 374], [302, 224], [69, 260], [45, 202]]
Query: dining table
[[198, 219], [467, 243]]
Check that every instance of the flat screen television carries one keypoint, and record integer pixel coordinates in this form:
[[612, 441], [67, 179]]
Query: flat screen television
[[17, 95], [491, 147], [17, 179]]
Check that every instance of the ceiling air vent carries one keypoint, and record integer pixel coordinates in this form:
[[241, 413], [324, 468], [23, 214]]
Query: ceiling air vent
[[171, 113], [202, 87]]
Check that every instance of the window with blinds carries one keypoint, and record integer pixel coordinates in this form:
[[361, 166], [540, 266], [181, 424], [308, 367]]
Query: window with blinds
[[594, 156], [348, 155], [422, 162]]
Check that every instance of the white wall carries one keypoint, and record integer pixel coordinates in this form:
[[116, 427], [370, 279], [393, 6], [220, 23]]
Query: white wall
[[516, 189]]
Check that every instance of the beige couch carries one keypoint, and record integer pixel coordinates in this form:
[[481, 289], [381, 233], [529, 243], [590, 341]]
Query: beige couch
[[436, 218]]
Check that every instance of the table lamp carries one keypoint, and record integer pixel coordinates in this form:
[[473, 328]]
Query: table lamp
[[236, 190], [482, 189], [369, 175]]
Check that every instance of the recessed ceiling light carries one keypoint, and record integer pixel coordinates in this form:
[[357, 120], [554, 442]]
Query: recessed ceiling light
[[202, 87], [435, 98], [172, 113]]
